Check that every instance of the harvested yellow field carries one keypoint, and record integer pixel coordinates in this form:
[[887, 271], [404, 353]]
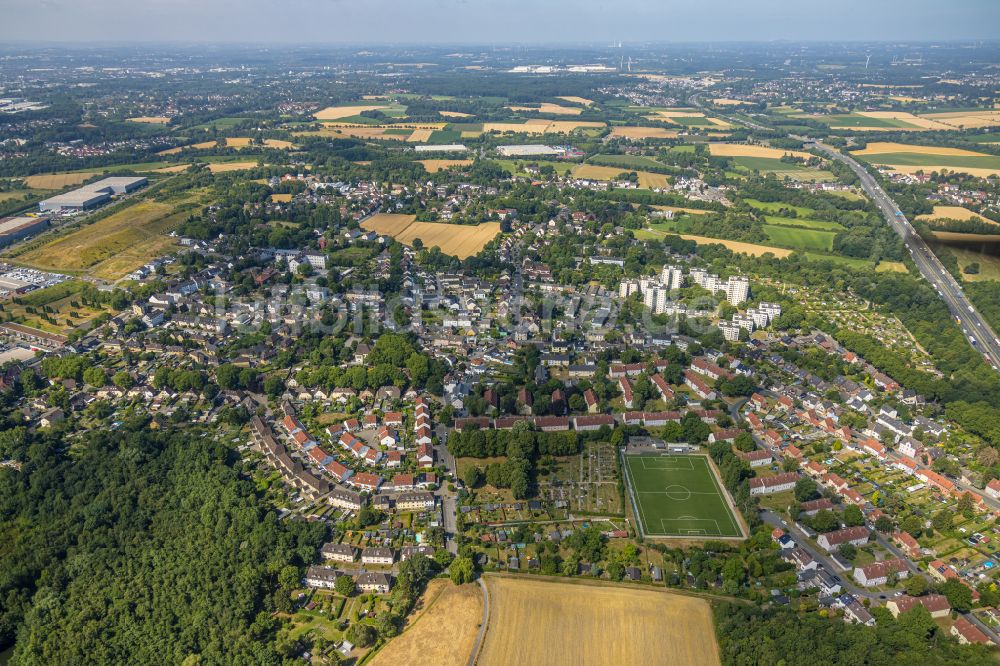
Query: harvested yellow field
[[338, 112], [679, 209], [223, 167], [723, 101], [879, 147], [647, 179], [968, 120], [554, 623], [57, 181], [719, 122], [127, 239], [978, 172], [555, 109], [152, 120], [958, 237], [433, 166], [177, 168], [444, 631], [458, 240], [923, 123], [420, 136], [575, 100], [635, 132], [736, 246], [281, 198], [454, 114], [952, 213], [540, 126], [747, 150], [679, 114], [237, 142]]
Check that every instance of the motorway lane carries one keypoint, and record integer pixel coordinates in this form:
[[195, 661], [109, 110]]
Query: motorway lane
[[977, 331]]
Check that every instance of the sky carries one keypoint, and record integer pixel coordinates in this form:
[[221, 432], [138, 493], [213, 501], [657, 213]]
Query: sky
[[375, 22]]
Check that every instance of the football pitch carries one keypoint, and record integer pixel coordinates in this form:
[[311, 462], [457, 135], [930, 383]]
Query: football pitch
[[679, 496]]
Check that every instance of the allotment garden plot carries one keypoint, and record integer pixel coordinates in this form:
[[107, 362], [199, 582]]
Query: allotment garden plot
[[680, 496]]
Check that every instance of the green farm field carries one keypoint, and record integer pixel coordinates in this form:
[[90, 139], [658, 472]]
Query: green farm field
[[855, 120], [776, 206], [628, 161], [781, 169], [803, 239], [680, 496]]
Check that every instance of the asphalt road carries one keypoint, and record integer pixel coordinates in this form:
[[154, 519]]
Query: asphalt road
[[977, 332]]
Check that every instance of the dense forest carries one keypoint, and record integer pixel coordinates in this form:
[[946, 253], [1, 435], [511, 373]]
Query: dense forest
[[749, 635], [140, 547]]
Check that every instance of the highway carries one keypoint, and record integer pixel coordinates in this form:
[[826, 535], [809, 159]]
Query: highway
[[977, 332]]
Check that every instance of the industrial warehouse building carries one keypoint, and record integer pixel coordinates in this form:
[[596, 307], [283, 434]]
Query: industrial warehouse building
[[13, 229], [92, 195]]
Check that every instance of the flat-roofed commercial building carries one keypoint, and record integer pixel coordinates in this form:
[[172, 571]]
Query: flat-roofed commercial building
[[92, 195], [13, 229]]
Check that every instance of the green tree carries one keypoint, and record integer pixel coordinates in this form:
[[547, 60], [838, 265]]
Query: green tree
[[472, 476], [344, 585], [462, 570], [915, 586], [959, 596]]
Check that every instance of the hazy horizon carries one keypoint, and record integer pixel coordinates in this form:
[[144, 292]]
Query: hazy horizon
[[467, 22]]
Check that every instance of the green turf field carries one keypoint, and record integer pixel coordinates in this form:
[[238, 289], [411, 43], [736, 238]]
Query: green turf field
[[679, 496]]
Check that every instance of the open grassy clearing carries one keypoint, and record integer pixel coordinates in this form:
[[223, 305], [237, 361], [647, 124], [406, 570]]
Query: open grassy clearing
[[58, 181], [543, 622], [647, 179], [989, 264], [444, 631], [804, 223], [636, 132], [112, 246], [433, 166], [801, 239], [458, 240], [775, 206], [680, 496]]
